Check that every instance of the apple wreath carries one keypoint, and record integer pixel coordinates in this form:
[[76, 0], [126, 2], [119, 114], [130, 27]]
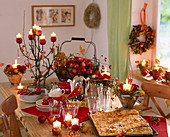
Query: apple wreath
[[123, 122]]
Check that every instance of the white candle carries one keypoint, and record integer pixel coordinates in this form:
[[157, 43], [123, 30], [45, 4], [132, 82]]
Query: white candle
[[68, 117], [75, 121], [35, 26], [143, 63], [30, 32], [127, 87], [20, 86], [57, 124], [15, 65], [156, 67], [105, 72], [38, 28], [42, 37], [53, 34], [19, 35]]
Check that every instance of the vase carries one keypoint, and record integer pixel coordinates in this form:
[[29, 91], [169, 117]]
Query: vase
[[14, 79], [128, 101]]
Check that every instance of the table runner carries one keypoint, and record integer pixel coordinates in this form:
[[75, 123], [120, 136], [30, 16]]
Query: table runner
[[161, 127], [82, 113]]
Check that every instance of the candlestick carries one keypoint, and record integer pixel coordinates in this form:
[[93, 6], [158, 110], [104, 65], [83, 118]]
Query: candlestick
[[19, 38], [127, 87], [42, 40], [53, 37], [15, 65], [20, 87], [31, 36], [143, 63]]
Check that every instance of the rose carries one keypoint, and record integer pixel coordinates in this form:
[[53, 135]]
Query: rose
[[135, 87], [121, 86]]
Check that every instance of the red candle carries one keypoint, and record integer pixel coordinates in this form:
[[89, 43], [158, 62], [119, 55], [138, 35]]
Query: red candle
[[53, 37], [31, 36], [106, 74], [38, 31], [19, 38], [42, 40]]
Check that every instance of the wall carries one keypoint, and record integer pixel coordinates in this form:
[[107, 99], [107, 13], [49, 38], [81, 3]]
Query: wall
[[151, 20], [12, 23]]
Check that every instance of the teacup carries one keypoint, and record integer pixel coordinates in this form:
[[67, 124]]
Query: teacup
[[56, 92]]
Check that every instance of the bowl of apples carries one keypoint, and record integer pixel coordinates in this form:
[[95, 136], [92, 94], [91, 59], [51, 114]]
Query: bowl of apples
[[69, 67]]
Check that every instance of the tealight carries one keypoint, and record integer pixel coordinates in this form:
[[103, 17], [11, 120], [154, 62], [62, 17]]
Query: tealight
[[127, 86], [20, 87]]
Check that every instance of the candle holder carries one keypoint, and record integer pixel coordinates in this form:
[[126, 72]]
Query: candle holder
[[143, 66], [14, 79], [128, 93], [38, 61], [56, 128]]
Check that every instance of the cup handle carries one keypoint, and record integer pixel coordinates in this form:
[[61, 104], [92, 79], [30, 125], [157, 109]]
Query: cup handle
[[62, 91]]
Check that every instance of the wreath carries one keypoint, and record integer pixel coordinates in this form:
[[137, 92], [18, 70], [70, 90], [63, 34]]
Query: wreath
[[92, 16], [136, 45]]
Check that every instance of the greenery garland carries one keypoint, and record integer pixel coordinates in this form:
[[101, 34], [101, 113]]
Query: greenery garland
[[136, 45]]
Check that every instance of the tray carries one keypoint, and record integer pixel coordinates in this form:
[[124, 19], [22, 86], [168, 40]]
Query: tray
[[91, 121]]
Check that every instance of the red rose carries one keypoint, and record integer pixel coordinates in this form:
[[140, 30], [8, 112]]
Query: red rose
[[121, 86], [135, 87]]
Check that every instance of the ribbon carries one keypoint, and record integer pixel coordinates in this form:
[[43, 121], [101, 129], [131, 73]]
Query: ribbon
[[142, 20]]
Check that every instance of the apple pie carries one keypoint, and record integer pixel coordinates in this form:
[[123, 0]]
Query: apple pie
[[122, 122]]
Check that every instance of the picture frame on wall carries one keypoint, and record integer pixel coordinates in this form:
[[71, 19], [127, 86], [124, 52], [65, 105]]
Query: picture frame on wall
[[53, 15]]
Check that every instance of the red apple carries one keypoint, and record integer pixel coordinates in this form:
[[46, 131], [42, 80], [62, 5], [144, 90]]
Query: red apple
[[76, 58], [69, 64], [151, 72], [80, 59], [75, 127], [83, 70], [74, 71], [144, 73], [84, 60], [38, 91], [88, 63], [76, 65], [42, 118], [44, 102], [155, 76], [51, 119], [56, 131], [82, 65], [50, 99], [89, 71], [79, 71]]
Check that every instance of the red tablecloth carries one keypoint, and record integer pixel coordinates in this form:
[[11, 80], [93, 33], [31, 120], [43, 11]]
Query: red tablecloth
[[82, 113], [161, 127]]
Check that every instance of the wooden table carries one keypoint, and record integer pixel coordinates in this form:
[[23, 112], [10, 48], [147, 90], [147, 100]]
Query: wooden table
[[30, 122]]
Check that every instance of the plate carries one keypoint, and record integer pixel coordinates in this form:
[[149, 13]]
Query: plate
[[43, 110], [91, 121]]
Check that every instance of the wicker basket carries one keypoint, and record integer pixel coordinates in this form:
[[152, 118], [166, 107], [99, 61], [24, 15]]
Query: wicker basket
[[64, 73]]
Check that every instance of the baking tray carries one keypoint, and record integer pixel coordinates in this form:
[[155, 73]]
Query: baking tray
[[154, 131]]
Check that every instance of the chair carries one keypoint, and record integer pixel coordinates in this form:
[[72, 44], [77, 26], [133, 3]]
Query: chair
[[8, 107], [4, 125], [155, 90]]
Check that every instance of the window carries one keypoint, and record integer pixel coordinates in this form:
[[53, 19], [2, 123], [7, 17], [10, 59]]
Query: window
[[163, 50]]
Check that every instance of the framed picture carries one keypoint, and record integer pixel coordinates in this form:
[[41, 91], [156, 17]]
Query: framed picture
[[53, 15]]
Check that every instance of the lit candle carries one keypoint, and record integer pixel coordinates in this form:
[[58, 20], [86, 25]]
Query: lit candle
[[143, 63], [30, 36], [127, 86], [42, 39], [56, 128], [34, 28], [20, 86], [75, 121], [53, 37], [38, 31], [68, 118], [75, 124], [106, 74], [19, 38], [57, 124], [156, 67], [15, 65]]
